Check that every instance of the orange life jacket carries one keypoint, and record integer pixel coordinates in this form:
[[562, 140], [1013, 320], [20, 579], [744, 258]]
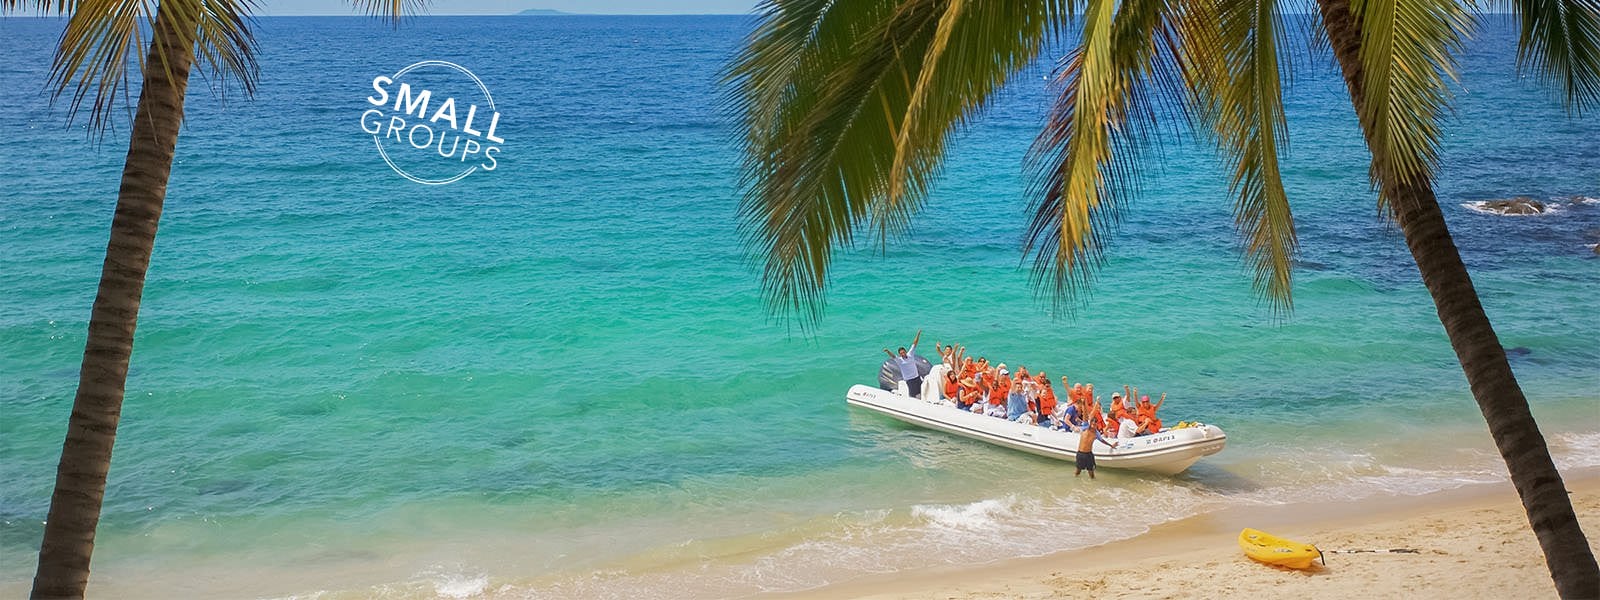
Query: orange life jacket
[[1047, 401], [998, 393]]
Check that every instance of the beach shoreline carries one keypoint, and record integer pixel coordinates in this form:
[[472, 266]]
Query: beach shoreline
[[563, 377], [1472, 541]]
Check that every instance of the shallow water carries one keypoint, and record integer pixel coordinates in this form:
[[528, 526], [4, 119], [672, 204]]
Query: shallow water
[[557, 379]]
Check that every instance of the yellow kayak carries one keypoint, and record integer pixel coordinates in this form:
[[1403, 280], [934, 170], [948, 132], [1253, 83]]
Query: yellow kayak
[[1274, 550]]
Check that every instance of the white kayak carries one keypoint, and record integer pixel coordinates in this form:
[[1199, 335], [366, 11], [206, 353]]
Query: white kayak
[[1168, 452]]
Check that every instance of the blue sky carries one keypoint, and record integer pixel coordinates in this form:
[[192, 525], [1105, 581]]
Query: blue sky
[[504, 7]]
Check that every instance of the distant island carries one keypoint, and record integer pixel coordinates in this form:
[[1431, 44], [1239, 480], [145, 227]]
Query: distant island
[[542, 12]]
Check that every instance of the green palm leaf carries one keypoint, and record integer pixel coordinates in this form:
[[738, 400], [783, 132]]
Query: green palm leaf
[[393, 10], [103, 38], [1407, 51], [1083, 159], [1561, 40], [829, 91], [975, 49], [1231, 55], [94, 52]]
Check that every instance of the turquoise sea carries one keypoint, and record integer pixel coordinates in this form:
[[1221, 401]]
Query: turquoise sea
[[557, 379]]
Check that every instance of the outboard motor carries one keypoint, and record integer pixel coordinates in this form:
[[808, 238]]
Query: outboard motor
[[888, 375]]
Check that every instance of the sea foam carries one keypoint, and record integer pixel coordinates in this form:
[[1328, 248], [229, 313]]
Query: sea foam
[[1481, 207], [978, 515], [1551, 206]]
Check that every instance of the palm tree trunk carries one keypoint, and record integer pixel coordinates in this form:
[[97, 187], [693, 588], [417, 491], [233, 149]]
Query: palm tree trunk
[[92, 429], [1416, 210]]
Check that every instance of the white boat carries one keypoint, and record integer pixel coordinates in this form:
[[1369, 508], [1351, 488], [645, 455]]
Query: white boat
[[1168, 452]]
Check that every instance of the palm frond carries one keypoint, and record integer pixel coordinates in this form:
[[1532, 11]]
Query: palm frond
[[975, 49], [824, 91], [224, 41], [103, 38], [1232, 59], [901, 171], [392, 10], [1407, 54], [1561, 41], [1082, 162], [761, 76]]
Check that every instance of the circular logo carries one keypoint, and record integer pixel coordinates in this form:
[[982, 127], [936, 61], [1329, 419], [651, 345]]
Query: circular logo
[[433, 122]]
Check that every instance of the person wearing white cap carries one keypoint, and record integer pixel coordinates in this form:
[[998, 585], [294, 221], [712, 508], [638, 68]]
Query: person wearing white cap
[[1122, 411]]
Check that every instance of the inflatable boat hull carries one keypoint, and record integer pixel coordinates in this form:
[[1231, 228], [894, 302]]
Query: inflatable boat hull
[[1169, 452]]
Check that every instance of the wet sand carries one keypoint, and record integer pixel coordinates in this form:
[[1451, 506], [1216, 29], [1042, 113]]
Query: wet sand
[[1472, 542]]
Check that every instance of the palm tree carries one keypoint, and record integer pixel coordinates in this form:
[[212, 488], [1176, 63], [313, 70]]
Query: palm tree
[[92, 59], [845, 108]]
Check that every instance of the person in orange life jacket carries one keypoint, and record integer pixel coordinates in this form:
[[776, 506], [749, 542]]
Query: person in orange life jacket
[[1045, 407], [1122, 417], [964, 383], [999, 390], [983, 382], [1146, 415], [972, 390], [1101, 420]]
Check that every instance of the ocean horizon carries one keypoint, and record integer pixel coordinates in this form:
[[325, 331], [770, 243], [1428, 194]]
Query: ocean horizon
[[557, 378]]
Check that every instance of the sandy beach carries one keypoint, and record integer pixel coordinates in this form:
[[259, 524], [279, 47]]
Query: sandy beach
[[1472, 542], [485, 304]]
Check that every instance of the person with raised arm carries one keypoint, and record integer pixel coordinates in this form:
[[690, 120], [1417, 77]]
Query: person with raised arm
[[907, 363], [1045, 406], [951, 355], [999, 380], [1020, 397], [1084, 459], [1146, 415]]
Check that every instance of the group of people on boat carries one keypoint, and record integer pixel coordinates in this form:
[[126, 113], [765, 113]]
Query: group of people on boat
[[978, 386]]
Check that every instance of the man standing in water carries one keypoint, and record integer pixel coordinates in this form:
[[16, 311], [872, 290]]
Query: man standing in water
[[907, 363], [1084, 459]]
